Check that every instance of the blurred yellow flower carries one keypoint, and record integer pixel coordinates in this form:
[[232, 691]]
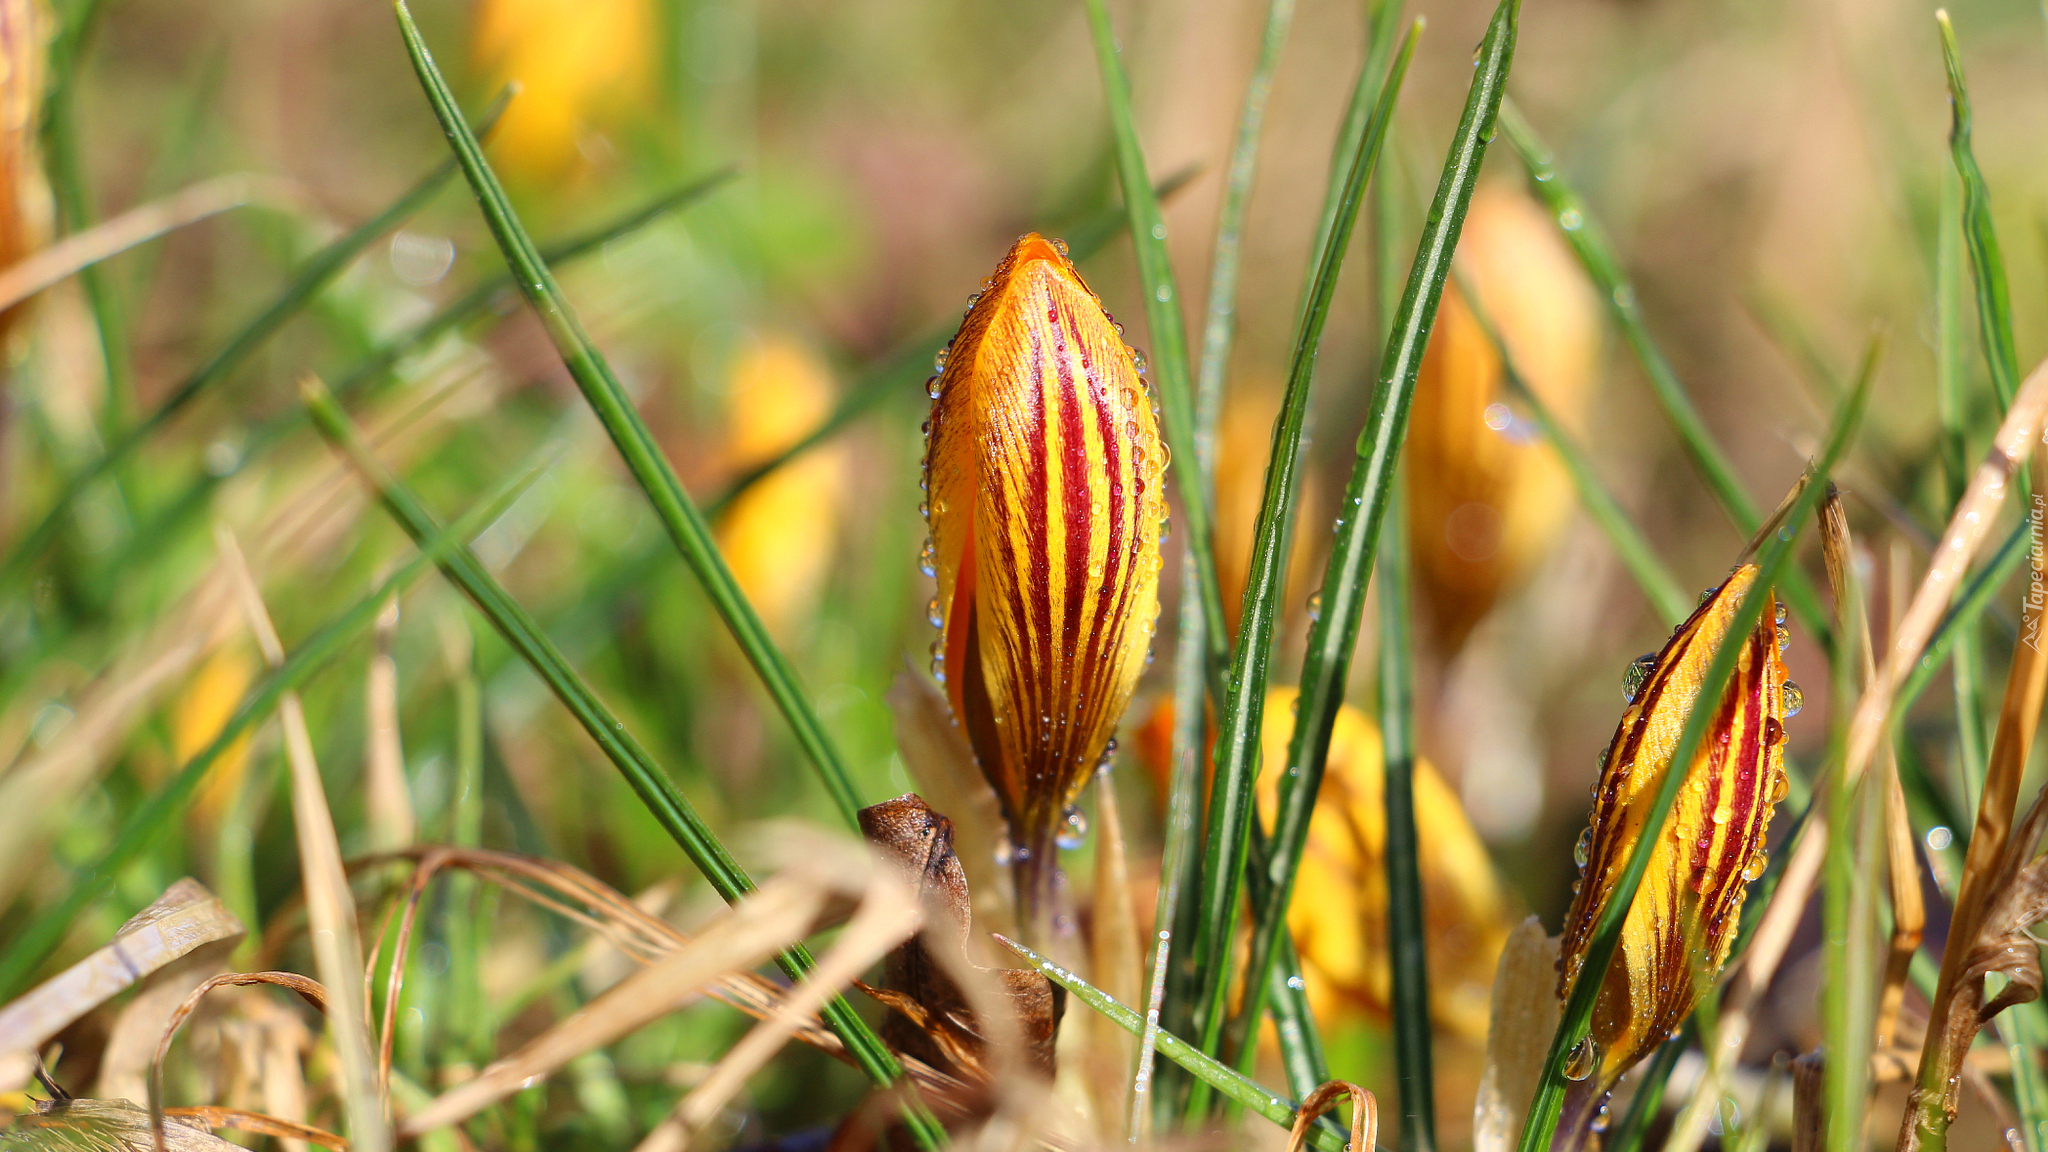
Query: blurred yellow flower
[[201, 711], [1486, 500], [25, 28], [779, 536], [579, 64], [1682, 921], [1044, 475], [1338, 915], [1339, 912]]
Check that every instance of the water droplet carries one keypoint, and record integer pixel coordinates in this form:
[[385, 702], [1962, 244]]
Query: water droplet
[[1794, 699], [1773, 732], [1131, 429], [1059, 246], [938, 651], [1585, 1055], [1758, 861], [1781, 787], [1095, 569], [1004, 853], [931, 613], [1778, 616], [973, 298], [1296, 983], [928, 559], [1571, 221], [939, 361], [1723, 813], [1583, 850], [1624, 296], [1163, 293], [1708, 594], [1073, 829], [924, 510], [1784, 638], [1637, 675], [1498, 417], [1139, 365], [1159, 231], [931, 387], [1315, 604], [1600, 1119]]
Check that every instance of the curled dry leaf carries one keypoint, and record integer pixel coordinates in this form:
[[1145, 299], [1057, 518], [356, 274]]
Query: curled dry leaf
[[185, 918], [932, 1018], [104, 1126], [1365, 1115]]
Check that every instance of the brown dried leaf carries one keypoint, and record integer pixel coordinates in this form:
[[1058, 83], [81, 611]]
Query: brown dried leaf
[[943, 1029], [2003, 945], [185, 918], [103, 1126]]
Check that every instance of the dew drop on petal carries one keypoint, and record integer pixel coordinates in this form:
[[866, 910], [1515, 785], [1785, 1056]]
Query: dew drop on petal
[[1583, 850], [938, 651], [928, 559], [1315, 604], [1781, 787], [1758, 861], [1794, 699], [1637, 675], [1778, 617], [931, 612], [1073, 830]]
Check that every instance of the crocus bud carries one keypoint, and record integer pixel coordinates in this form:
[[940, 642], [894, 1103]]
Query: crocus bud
[[1486, 498], [1044, 497], [1683, 919]]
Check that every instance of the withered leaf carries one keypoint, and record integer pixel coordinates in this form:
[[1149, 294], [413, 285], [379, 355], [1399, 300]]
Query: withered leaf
[[2003, 944], [931, 1017]]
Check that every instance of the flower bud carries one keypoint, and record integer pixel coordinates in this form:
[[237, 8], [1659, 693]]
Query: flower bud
[[1044, 476], [1683, 919], [579, 64], [1486, 498]]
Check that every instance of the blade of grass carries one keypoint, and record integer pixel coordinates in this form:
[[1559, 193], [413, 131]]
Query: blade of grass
[[654, 787], [330, 906], [1224, 1079], [1987, 265], [1333, 635], [313, 276], [1407, 931], [643, 457], [1848, 988], [1162, 319], [1241, 712], [1589, 242], [35, 943], [1774, 558], [152, 538]]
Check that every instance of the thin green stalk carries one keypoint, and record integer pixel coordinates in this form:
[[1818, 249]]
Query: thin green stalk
[[2020, 1026], [1225, 1080], [1987, 266], [1652, 578], [33, 945], [643, 457], [1848, 993], [1589, 242], [317, 272], [1241, 712], [466, 923], [1407, 931], [1774, 558], [150, 539], [1971, 602], [654, 787], [1333, 635], [1162, 318], [1220, 308]]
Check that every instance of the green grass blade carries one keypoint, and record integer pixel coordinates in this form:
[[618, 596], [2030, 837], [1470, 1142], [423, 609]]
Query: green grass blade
[[150, 539], [1987, 265], [313, 276], [1652, 578], [147, 822], [1976, 596], [1596, 254], [1220, 309], [594, 378], [1407, 931], [1848, 993], [659, 793], [1224, 1079], [1241, 712], [1363, 511], [1162, 318], [1773, 560]]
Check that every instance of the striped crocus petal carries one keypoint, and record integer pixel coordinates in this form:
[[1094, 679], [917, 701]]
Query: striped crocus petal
[[1043, 469], [1679, 929]]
